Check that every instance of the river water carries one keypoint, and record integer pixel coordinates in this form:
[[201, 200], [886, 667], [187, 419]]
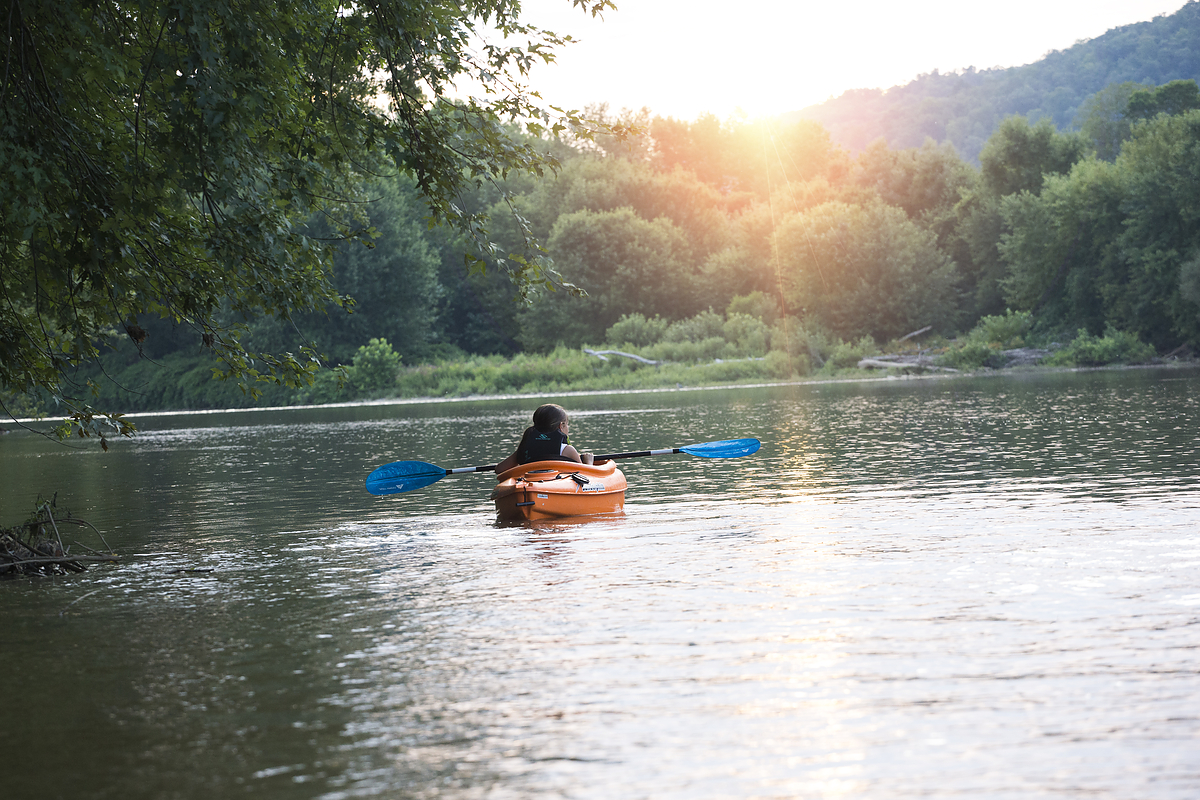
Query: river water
[[973, 587]]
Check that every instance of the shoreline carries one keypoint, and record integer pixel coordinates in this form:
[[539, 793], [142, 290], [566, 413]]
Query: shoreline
[[404, 401]]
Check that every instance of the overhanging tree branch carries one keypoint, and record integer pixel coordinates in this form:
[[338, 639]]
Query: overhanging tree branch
[[169, 155]]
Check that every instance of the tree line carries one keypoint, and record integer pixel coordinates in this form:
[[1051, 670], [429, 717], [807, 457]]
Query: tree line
[[710, 239], [693, 215]]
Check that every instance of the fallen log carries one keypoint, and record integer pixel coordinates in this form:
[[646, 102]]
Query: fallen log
[[603, 354], [887, 363], [906, 337]]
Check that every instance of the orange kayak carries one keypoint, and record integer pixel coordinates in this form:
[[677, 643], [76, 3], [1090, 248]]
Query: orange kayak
[[555, 489]]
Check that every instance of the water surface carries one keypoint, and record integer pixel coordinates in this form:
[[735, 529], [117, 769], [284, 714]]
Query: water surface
[[939, 588]]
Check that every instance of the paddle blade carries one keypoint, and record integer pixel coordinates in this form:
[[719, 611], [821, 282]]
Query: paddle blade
[[403, 476], [727, 448]]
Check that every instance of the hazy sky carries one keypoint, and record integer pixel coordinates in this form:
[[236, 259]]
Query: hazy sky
[[685, 57]]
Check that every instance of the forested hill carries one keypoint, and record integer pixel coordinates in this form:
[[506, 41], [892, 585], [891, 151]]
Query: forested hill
[[965, 108]]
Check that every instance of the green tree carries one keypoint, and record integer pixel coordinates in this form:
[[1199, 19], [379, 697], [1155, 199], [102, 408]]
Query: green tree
[[1104, 118], [162, 159], [375, 366], [1189, 280], [756, 304], [744, 265], [595, 182], [636, 331], [1114, 244], [1171, 98], [926, 181], [626, 264], [477, 312], [392, 278], [1018, 155], [393, 281], [734, 157], [978, 227], [1161, 233], [704, 148], [929, 183], [866, 270], [1060, 247]]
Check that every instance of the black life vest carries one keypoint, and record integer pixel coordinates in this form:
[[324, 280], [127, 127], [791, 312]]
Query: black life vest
[[539, 445]]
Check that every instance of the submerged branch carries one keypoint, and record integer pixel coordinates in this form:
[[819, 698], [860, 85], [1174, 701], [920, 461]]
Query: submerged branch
[[36, 546]]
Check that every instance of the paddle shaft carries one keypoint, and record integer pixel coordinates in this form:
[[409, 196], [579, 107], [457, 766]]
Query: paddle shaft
[[608, 457], [461, 470], [638, 454]]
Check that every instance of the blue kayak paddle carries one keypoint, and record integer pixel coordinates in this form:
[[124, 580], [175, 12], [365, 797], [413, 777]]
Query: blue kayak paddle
[[405, 476]]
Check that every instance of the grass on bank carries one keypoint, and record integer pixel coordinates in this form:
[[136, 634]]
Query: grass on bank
[[564, 369]]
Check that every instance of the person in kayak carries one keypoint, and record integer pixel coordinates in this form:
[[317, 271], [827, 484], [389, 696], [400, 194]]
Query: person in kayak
[[546, 440]]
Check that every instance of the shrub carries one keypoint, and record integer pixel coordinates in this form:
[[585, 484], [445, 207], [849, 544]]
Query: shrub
[[789, 335], [1005, 329], [704, 325], [781, 364], [375, 367], [756, 304], [972, 355], [748, 335], [848, 354], [689, 351], [1114, 347], [636, 330], [992, 334]]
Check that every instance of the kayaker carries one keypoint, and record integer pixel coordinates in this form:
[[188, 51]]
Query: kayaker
[[546, 440]]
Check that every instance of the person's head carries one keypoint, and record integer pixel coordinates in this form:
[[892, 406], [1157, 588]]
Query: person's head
[[549, 417]]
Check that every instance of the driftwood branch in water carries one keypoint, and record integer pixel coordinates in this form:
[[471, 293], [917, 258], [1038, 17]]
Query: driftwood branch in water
[[66, 561], [36, 546]]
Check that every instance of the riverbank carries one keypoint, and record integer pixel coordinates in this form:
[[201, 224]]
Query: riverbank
[[692, 357], [184, 385], [847, 376]]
